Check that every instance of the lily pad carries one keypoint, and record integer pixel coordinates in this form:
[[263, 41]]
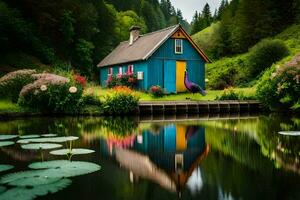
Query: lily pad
[[41, 146], [29, 193], [7, 137], [49, 139], [2, 189], [61, 152], [29, 136], [290, 133], [5, 167], [6, 143], [66, 168], [49, 135]]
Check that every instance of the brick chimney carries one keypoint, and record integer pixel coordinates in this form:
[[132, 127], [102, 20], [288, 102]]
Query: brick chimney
[[134, 34]]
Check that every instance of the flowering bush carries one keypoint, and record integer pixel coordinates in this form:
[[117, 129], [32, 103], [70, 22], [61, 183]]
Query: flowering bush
[[156, 91], [281, 87], [128, 79], [12, 83], [80, 80], [51, 93], [121, 102]]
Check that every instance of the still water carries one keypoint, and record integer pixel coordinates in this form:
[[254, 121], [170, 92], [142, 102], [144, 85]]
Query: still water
[[204, 158]]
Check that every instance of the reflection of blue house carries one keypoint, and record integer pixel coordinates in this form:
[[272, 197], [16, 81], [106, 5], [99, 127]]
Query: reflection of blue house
[[172, 140], [173, 152]]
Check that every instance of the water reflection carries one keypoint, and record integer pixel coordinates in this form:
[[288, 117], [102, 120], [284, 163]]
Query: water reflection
[[239, 158], [165, 154]]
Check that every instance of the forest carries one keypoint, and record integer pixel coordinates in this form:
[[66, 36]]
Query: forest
[[75, 33]]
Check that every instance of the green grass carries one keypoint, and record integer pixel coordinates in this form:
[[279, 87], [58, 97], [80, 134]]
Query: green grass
[[233, 68], [8, 106], [211, 94]]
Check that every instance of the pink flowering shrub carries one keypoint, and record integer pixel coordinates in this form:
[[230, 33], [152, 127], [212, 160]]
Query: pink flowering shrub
[[128, 80], [156, 91], [12, 83], [51, 93], [281, 87]]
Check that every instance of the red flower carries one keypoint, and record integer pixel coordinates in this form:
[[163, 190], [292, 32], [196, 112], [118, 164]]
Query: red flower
[[80, 79]]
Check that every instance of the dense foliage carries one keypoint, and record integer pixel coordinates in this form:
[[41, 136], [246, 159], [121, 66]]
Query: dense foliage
[[243, 23], [123, 101], [264, 54], [280, 88], [75, 33]]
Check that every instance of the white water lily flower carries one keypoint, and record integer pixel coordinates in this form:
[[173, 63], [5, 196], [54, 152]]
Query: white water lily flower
[[43, 87], [73, 89]]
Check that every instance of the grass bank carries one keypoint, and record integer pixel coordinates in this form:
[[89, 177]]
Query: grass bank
[[211, 94]]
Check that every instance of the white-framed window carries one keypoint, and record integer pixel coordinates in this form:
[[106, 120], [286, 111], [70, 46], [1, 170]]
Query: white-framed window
[[110, 71], [130, 69], [120, 70], [178, 46]]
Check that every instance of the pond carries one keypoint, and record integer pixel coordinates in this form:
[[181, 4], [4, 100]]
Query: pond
[[133, 158]]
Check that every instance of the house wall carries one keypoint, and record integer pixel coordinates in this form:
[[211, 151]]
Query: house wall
[[160, 68], [137, 66], [163, 64]]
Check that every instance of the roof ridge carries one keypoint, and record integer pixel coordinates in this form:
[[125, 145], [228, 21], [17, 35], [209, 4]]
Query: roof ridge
[[161, 30], [146, 34]]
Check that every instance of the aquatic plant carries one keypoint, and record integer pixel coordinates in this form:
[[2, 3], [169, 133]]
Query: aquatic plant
[[41, 146], [28, 136], [29, 193], [71, 152], [50, 139], [6, 143], [5, 167], [7, 137]]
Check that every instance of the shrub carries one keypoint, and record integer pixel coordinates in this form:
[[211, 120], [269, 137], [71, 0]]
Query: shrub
[[12, 83], [156, 91], [90, 100], [264, 54], [51, 93], [228, 94], [128, 79], [281, 87], [121, 102], [80, 80]]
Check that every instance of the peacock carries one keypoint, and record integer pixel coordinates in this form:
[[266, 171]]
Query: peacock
[[192, 87]]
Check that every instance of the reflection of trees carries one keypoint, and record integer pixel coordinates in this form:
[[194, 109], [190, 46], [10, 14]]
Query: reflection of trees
[[230, 179], [283, 150]]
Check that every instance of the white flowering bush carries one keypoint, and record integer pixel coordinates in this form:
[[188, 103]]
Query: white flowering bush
[[51, 93], [12, 83]]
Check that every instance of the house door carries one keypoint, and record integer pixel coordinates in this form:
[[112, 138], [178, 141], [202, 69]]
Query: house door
[[180, 69]]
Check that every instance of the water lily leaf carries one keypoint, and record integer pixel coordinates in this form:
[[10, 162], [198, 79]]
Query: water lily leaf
[[290, 133], [7, 137], [50, 139], [49, 135], [2, 189], [26, 193], [5, 167], [41, 146], [65, 168], [6, 143], [29, 136], [61, 152]]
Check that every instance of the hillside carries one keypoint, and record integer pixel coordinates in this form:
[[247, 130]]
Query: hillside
[[232, 71], [74, 34]]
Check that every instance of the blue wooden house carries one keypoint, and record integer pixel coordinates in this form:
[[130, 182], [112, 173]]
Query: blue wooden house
[[158, 58]]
